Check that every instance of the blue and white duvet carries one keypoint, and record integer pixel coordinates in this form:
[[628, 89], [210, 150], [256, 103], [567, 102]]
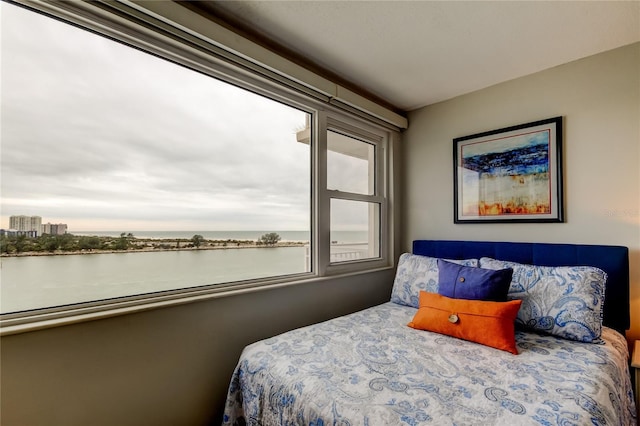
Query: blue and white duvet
[[369, 368]]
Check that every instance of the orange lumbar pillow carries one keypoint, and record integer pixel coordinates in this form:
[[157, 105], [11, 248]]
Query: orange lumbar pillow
[[487, 323]]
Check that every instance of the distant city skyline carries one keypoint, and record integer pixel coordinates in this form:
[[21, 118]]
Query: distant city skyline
[[32, 225]]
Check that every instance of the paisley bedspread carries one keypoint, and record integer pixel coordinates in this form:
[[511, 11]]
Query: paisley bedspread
[[369, 368]]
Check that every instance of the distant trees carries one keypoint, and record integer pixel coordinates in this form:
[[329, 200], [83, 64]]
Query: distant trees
[[269, 239], [89, 243], [48, 243], [67, 243], [4, 244], [197, 240], [51, 243], [123, 242], [20, 243]]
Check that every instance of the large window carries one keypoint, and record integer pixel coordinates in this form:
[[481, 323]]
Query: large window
[[135, 174]]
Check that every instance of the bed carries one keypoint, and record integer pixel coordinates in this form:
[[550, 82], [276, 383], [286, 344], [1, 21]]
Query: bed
[[371, 368]]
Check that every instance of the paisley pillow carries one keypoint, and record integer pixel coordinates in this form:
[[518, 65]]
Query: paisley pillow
[[565, 301], [417, 273]]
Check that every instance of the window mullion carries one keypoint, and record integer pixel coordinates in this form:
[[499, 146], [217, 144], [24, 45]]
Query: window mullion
[[323, 203]]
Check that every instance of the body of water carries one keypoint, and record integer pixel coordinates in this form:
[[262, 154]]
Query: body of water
[[33, 282]]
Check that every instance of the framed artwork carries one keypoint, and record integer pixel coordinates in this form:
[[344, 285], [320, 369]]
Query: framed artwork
[[512, 174]]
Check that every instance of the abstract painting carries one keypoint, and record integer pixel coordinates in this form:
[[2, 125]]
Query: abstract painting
[[513, 174]]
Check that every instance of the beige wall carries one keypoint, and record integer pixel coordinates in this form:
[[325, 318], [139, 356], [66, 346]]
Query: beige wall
[[163, 367], [172, 366], [599, 98]]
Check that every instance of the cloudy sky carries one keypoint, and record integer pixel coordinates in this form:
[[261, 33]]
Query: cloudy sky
[[104, 137]]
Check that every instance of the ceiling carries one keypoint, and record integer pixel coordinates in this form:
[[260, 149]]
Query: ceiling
[[408, 54]]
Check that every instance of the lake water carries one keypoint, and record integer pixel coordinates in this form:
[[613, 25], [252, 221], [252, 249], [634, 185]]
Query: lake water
[[33, 282]]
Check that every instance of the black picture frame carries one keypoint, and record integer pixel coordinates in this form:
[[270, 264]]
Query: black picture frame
[[513, 174]]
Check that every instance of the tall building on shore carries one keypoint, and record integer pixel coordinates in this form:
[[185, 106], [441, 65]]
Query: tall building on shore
[[54, 228], [33, 226], [26, 223]]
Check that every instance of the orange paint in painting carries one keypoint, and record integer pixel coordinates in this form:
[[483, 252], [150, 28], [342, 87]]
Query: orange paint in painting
[[485, 209]]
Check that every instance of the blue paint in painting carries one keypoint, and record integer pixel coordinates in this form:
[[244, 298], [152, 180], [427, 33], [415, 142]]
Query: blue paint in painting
[[532, 158]]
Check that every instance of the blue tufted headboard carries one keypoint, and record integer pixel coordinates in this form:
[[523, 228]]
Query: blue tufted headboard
[[614, 260]]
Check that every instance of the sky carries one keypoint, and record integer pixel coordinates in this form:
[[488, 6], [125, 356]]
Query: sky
[[101, 136]]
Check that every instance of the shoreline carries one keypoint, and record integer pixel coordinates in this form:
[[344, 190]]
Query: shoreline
[[154, 249]]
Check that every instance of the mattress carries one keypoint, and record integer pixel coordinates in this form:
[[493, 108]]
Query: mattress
[[369, 368]]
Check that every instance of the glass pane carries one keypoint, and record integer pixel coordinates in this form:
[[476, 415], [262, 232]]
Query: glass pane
[[355, 230], [127, 174], [350, 164]]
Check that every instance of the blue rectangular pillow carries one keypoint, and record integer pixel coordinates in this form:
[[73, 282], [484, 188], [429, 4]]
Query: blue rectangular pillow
[[467, 282]]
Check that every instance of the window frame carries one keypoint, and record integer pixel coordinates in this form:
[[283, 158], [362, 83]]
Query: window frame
[[154, 35], [380, 139]]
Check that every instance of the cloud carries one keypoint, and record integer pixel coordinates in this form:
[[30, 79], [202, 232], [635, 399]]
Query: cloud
[[95, 132]]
